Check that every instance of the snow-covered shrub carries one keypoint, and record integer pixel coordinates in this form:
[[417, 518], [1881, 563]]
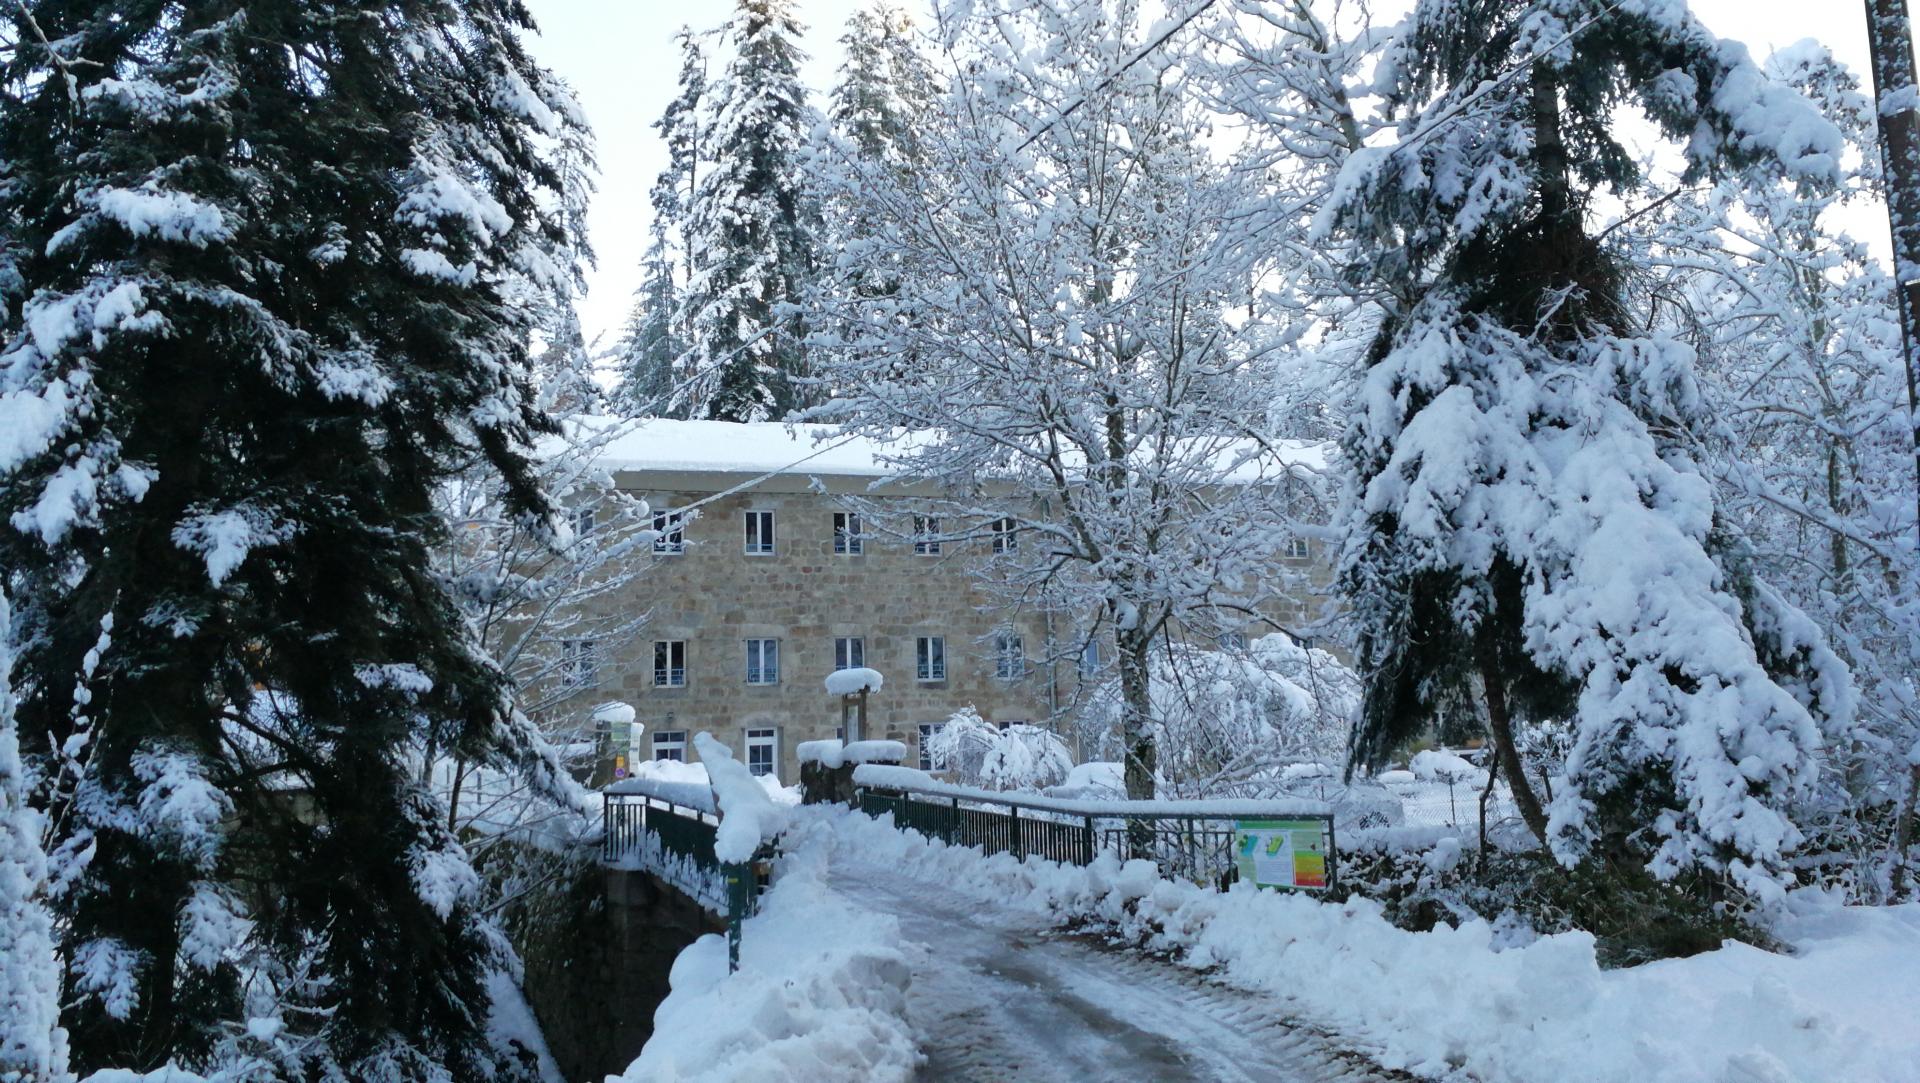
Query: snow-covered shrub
[[1231, 722], [1021, 756]]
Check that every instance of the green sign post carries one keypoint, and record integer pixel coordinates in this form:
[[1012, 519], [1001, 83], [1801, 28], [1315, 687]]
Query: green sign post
[[1296, 854]]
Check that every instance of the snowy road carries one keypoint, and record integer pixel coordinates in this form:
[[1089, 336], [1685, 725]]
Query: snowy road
[[996, 999]]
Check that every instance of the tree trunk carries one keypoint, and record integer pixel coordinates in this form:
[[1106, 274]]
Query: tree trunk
[[1903, 837], [1890, 40], [1501, 727], [1142, 756]]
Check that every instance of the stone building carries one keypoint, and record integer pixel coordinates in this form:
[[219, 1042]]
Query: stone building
[[771, 581]]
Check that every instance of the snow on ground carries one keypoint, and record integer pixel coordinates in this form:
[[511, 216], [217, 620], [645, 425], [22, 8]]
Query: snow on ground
[[1443, 1002], [821, 994]]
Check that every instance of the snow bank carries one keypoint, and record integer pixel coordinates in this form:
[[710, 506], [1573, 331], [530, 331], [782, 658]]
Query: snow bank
[[821, 994], [1435, 1003], [748, 817], [847, 682]]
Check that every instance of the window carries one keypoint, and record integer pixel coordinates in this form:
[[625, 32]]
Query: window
[[763, 751], [930, 655], [926, 529], [763, 661], [927, 730], [759, 533], [579, 663], [1298, 549], [583, 520], [1004, 538], [849, 652], [669, 663], [669, 532], [1009, 658], [670, 745], [1090, 658], [1233, 641], [846, 533]]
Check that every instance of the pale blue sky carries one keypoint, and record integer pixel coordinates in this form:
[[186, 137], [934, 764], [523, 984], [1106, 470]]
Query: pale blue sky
[[620, 56]]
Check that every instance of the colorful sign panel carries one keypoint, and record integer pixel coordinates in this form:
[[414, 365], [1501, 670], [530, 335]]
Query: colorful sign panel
[[620, 766], [1283, 853]]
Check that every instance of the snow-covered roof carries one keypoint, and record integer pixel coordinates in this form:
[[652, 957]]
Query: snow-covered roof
[[662, 445], [731, 447]]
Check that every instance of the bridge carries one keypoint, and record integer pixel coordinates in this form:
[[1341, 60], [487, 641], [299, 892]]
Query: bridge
[[999, 996]]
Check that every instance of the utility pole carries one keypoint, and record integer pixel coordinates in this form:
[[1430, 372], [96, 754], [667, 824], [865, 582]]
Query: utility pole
[[1890, 40]]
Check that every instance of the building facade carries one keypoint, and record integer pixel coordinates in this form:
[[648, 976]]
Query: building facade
[[764, 579], [768, 581]]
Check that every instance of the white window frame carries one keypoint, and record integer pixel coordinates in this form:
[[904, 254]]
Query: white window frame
[[1232, 641], [849, 652], [762, 737], [925, 531], [763, 662], [930, 658], [670, 745], [1090, 660], [848, 539], [1006, 536], [584, 517], [762, 535], [1299, 548], [580, 662], [665, 673], [670, 533], [927, 730], [1009, 656]]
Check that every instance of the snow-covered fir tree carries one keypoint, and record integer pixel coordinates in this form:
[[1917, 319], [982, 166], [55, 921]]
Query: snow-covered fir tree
[[748, 237], [887, 87], [649, 359], [1528, 524], [1056, 340], [268, 284]]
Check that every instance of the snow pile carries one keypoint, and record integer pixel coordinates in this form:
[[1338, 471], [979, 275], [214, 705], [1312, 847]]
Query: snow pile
[[1095, 780], [1442, 1002], [847, 682], [1434, 765], [748, 817], [696, 774], [834, 754], [826, 753], [821, 994], [874, 752]]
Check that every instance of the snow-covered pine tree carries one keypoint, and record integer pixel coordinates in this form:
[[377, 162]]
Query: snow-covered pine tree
[[33, 1047], [1527, 524], [749, 240], [1056, 338], [270, 268], [887, 89], [649, 356]]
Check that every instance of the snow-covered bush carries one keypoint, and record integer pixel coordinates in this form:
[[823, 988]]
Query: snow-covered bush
[[1231, 722], [1021, 756]]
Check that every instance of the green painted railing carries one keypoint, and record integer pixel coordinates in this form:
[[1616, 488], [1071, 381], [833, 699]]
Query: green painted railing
[[1198, 847], [674, 840]]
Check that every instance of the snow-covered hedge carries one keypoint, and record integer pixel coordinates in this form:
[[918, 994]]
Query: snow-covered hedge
[[821, 994]]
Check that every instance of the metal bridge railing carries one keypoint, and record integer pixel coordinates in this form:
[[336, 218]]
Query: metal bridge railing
[[670, 832], [1197, 842]]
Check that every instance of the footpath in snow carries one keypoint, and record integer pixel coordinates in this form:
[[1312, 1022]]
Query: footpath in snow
[[882, 956]]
